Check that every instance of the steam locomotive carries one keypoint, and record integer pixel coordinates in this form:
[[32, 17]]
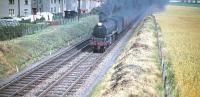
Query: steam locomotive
[[107, 31], [118, 15]]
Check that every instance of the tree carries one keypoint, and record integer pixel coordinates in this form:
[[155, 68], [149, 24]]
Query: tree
[[18, 8]]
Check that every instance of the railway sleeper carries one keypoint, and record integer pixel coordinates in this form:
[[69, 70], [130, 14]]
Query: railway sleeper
[[4, 95], [56, 92], [54, 62], [71, 92], [11, 88], [58, 89], [49, 66], [22, 82], [69, 78], [52, 95], [66, 84], [31, 77], [77, 86], [7, 92], [39, 72]]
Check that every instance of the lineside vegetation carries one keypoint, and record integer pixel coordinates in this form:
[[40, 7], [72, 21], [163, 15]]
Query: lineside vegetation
[[16, 54]]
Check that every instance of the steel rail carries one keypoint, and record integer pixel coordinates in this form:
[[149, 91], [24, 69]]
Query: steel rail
[[37, 68], [63, 76]]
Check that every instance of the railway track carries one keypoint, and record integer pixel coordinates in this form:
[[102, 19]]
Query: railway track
[[25, 82], [67, 83]]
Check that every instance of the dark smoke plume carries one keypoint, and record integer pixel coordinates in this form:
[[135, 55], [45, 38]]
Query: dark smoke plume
[[130, 7]]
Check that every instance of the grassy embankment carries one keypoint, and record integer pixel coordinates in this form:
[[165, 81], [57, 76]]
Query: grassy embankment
[[181, 35], [136, 72], [16, 54]]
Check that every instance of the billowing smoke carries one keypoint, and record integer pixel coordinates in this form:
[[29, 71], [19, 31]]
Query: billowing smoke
[[130, 7]]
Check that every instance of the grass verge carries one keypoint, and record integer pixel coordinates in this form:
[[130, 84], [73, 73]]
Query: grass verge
[[16, 54]]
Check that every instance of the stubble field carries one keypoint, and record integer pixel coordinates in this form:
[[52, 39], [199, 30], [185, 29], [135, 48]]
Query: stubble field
[[181, 35]]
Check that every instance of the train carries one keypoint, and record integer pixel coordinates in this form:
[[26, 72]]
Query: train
[[108, 31], [117, 16]]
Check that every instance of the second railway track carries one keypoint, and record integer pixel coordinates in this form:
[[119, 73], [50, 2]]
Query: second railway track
[[25, 82], [67, 83]]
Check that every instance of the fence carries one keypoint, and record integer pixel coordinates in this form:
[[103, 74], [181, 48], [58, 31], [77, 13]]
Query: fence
[[63, 21], [161, 59], [10, 32]]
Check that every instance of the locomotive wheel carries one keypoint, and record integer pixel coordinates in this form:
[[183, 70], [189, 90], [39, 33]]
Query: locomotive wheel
[[94, 49], [116, 36]]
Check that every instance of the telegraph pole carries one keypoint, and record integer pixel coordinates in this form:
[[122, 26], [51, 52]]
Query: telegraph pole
[[79, 9], [18, 9]]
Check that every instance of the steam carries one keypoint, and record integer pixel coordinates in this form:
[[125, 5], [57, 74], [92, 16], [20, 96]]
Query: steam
[[130, 7]]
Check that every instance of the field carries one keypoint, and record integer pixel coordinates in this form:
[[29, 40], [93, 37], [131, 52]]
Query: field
[[181, 36], [185, 4], [16, 54]]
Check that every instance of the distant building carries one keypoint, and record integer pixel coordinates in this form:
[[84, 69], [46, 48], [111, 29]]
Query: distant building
[[85, 5], [88, 5], [72, 5], [53, 6], [14, 8]]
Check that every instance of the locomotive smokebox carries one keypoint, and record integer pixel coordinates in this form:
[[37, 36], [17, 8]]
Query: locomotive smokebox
[[100, 24]]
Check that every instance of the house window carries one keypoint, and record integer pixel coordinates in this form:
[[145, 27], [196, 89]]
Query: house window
[[51, 9], [54, 9], [11, 12], [40, 1], [54, 1], [11, 2], [26, 2], [51, 1], [25, 12], [64, 1], [59, 1]]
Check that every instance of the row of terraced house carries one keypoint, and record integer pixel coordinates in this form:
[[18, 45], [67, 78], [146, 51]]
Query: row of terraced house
[[20, 8]]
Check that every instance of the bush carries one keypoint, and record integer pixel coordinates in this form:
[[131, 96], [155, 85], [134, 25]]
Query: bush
[[11, 32], [95, 11], [25, 21]]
